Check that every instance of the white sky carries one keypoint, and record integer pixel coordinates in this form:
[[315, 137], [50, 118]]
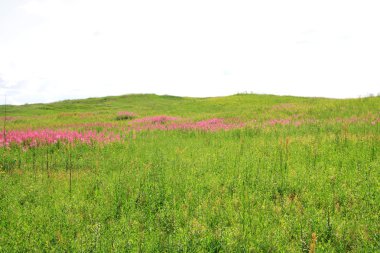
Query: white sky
[[59, 49]]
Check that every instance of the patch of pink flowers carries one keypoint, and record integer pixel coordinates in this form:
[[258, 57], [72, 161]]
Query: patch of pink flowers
[[110, 132], [88, 126], [32, 138], [155, 119], [211, 125], [126, 115], [351, 120], [214, 124], [282, 122], [357, 119]]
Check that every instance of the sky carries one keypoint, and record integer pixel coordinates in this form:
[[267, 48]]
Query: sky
[[53, 50]]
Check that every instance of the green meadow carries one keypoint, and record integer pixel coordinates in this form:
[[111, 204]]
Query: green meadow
[[297, 175]]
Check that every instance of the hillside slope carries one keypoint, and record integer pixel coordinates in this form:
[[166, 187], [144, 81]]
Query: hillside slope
[[243, 106], [243, 173]]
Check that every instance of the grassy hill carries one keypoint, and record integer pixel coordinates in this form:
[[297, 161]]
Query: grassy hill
[[243, 173], [243, 106]]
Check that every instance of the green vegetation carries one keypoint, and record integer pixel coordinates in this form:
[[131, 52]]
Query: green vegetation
[[299, 166]]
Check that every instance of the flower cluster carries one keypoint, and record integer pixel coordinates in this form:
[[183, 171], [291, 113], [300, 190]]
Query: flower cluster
[[105, 132], [214, 124], [294, 120], [32, 138], [170, 123], [282, 122], [156, 119], [125, 115]]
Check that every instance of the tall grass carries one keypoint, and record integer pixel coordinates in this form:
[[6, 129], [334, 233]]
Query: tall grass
[[312, 187]]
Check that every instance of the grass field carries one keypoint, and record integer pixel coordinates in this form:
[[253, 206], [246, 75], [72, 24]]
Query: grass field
[[148, 173]]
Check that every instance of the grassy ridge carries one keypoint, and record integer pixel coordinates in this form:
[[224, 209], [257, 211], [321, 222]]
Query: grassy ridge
[[261, 188], [242, 105]]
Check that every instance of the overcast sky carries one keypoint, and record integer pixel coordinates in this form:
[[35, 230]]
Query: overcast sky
[[61, 49]]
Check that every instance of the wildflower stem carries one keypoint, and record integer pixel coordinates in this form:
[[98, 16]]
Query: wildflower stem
[[4, 132], [70, 167], [5, 119], [47, 160]]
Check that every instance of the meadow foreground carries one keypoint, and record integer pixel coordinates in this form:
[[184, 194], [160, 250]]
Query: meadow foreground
[[244, 173]]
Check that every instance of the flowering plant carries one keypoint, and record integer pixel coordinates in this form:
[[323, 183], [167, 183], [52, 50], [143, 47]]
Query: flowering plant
[[125, 115]]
